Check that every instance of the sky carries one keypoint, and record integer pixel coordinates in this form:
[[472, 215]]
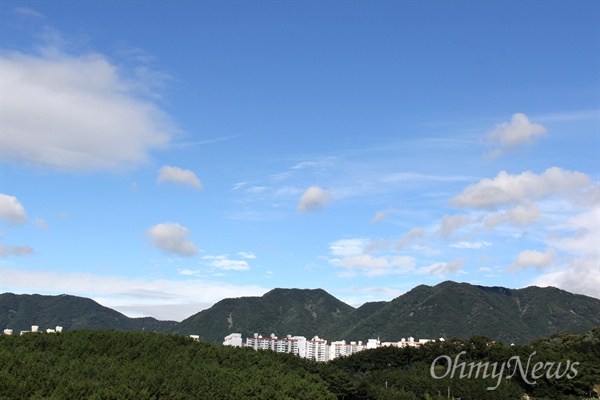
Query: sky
[[159, 156]]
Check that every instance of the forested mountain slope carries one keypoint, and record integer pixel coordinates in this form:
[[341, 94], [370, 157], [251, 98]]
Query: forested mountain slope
[[21, 311]]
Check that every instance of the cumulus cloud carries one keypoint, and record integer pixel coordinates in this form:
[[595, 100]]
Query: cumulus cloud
[[6, 251], [578, 239], [178, 176], [582, 275], [11, 209], [171, 238], [160, 298], [440, 269], [533, 258], [225, 263], [509, 135], [76, 113], [506, 188], [521, 214], [313, 199]]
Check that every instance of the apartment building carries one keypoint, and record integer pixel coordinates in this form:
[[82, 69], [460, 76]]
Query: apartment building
[[411, 342], [289, 344], [316, 348]]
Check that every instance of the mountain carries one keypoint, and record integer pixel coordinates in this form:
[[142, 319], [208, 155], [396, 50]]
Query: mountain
[[303, 312], [446, 310], [462, 310], [20, 312]]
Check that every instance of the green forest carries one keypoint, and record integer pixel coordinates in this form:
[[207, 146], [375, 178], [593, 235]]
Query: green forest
[[139, 365]]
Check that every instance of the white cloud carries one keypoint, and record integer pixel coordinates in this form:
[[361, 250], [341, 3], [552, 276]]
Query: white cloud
[[582, 275], [75, 113], [470, 245], [6, 251], [160, 298], [225, 263], [178, 176], [245, 254], [11, 209], [440, 269], [313, 199], [509, 135], [580, 242], [172, 239], [521, 214], [348, 247], [189, 272], [513, 189], [315, 164], [534, 258]]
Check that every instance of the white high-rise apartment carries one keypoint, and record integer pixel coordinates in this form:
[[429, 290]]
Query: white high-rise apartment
[[235, 340]]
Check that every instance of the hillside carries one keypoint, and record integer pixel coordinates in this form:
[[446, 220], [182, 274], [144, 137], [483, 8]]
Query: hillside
[[141, 365], [461, 310], [302, 312], [20, 312], [447, 310]]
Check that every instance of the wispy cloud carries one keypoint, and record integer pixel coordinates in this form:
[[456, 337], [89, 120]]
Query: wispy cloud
[[184, 144], [245, 254], [28, 12], [6, 250], [470, 245], [441, 269], [223, 262]]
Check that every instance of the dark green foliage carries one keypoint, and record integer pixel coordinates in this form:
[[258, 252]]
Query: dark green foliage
[[405, 373], [131, 365], [136, 365], [20, 312]]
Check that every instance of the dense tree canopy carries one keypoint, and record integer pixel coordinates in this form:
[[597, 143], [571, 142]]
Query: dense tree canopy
[[136, 365]]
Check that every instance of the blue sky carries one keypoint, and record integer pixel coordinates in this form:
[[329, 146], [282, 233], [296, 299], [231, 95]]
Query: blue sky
[[160, 156]]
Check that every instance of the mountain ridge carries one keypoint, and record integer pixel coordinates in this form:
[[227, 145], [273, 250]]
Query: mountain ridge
[[20, 311], [448, 309]]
